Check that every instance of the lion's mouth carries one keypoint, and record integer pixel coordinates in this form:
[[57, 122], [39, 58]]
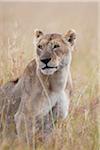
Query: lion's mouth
[[48, 67]]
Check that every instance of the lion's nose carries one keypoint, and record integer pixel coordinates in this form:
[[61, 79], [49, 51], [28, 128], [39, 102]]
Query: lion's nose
[[46, 60]]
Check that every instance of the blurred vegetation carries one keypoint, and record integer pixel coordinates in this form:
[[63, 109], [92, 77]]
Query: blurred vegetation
[[80, 131]]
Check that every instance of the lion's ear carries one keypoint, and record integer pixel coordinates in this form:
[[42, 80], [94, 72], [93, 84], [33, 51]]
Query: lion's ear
[[36, 36], [38, 33], [70, 36]]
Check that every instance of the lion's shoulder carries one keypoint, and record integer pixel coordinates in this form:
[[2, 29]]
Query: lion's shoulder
[[31, 68]]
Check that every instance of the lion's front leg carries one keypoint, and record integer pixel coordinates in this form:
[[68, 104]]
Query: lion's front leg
[[59, 113], [25, 121], [25, 129], [62, 107]]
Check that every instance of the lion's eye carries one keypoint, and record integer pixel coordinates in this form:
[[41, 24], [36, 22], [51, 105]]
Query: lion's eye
[[56, 46], [40, 46]]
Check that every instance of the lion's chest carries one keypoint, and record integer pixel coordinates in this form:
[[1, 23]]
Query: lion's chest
[[43, 102], [43, 97]]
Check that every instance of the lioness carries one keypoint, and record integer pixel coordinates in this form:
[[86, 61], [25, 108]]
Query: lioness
[[43, 83]]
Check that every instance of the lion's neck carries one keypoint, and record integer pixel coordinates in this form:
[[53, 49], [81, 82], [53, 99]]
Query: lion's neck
[[57, 81]]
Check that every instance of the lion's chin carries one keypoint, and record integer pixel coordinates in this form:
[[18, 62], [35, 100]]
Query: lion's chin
[[48, 71]]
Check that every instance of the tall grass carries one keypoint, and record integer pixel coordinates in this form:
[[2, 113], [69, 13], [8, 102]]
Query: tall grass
[[80, 130]]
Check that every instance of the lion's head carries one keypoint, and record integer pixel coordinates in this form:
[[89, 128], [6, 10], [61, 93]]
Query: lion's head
[[53, 50]]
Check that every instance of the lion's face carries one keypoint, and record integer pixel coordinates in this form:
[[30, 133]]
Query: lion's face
[[53, 51]]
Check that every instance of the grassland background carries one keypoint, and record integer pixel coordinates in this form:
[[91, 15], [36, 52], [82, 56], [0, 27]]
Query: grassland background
[[17, 23]]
